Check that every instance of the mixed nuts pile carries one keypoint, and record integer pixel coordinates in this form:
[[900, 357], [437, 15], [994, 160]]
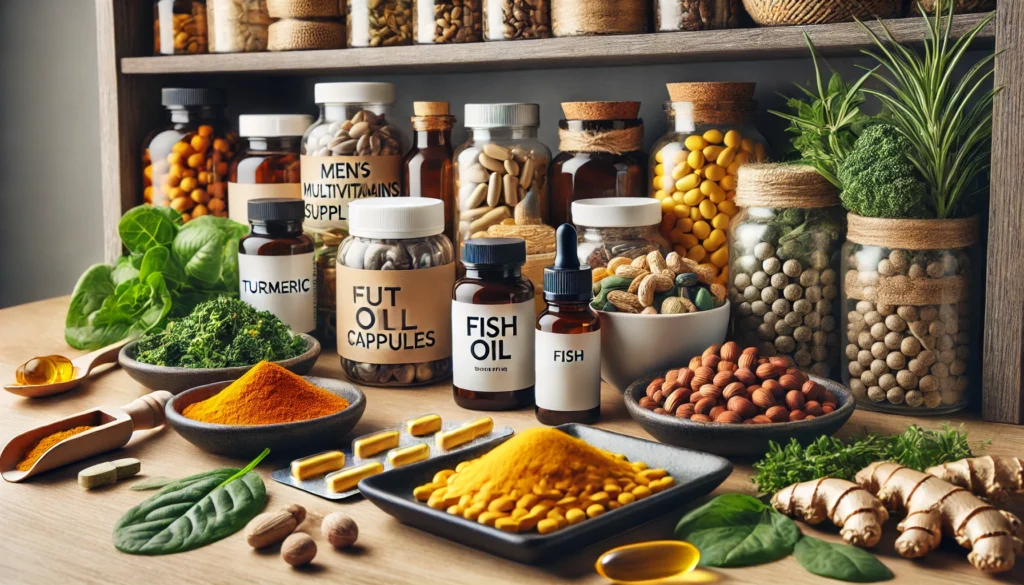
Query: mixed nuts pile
[[654, 284]]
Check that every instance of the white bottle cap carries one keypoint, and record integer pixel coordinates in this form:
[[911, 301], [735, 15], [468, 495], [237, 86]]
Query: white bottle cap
[[502, 115], [617, 212], [396, 217], [270, 125], [354, 92]]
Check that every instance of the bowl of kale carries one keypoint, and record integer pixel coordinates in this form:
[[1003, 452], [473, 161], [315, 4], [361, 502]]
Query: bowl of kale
[[219, 340]]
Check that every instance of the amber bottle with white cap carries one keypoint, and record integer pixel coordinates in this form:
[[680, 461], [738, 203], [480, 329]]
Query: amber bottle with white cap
[[268, 167]]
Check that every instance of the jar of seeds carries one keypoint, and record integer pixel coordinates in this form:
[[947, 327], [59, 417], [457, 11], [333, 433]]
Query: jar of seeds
[[380, 23], [511, 20], [395, 273], [449, 21], [785, 244], [907, 313]]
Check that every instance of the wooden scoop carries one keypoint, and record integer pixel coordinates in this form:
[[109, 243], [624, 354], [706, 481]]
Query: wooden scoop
[[113, 429], [83, 365]]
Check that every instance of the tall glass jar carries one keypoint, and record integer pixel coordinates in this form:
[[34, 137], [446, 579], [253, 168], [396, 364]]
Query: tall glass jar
[[602, 155], [395, 275], [186, 161], [908, 313], [351, 152], [179, 27], [428, 164], [510, 20], [614, 226], [380, 23], [268, 166], [501, 176], [695, 166], [449, 21], [675, 15], [237, 26], [785, 244]]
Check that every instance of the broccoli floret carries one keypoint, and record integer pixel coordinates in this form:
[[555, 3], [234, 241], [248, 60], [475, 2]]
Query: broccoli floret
[[877, 178]]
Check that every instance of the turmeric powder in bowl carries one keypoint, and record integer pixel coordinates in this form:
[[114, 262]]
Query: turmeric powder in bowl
[[267, 394]]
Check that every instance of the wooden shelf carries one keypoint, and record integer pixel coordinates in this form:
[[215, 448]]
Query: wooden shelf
[[721, 45]]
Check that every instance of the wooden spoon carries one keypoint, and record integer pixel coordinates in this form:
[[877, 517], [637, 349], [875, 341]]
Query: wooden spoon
[[113, 429], [82, 366]]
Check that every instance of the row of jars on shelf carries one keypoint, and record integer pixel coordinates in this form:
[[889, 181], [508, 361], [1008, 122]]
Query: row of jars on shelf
[[200, 26], [896, 327]]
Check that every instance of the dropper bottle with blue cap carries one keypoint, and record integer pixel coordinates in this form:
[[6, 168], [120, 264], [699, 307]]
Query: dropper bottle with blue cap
[[568, 340]]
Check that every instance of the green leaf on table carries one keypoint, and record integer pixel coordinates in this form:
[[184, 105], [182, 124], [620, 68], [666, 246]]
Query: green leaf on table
[[151, 483], [736, 530], [92, 289], [193, 512], [840, 561], [145, 227]]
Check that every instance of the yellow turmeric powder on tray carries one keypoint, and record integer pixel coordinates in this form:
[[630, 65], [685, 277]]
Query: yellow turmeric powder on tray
[[541, 479], [43, 445], [267, 394]]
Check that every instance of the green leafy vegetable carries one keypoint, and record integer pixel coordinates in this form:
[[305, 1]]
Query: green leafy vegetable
[[151, 483], [828, 456], [735, 530], [171, 269], [878, 180], [839, 561], [193, 512], [220, 333]]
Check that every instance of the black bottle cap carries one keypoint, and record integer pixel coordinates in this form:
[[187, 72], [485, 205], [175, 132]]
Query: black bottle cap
[[192, 96], [494, 251], [277, 209], [567, 280]]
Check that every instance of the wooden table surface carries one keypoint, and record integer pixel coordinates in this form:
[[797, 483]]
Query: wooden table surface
[[55, 532]]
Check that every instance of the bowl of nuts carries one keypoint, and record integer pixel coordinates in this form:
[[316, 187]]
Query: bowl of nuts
[[730, 401]]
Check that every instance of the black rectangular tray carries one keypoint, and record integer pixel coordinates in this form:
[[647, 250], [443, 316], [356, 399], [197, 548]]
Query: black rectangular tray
[[696, 474]]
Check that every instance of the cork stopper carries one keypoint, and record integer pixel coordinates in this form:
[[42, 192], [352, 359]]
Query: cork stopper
[[601, 110], [707, 91], [430, 108]]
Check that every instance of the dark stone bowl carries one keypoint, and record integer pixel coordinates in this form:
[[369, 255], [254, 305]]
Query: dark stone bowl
[[174, 380], [246, 441], [736, 440]]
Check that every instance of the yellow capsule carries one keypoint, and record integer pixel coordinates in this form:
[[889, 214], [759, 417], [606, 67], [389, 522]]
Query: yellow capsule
[[660, 156], [715, 240], [347, 479], [473, 512], [693, 197], [659, 169], [407, 455], [681, 170], [317, 465], [455, 510], [734, 168], [708, 209], [733, 138], [695, 213], [688, 241], [696, 253], [727, 207], [720, 257], [695, 160], [725, 158], [541, 509], [507, 525], [714, 172], [424, 425], [690, 181], [701, 229], [547, 526], [489, 518], [641, 492], [575, 516], [667, 204], [710, 187], [613, 505], [759, 153], [626, 498], [714, 136], [678, 197], [682, 210], [502, 504], [595, 510], [529, 522], [661, 561], [465, 433], [695, 142], [612, 489], [685, 224], [711, 153], [717, 198], [720, 221], [668, 481], [528, 501], [747, 145], [742, 158], [657, 182], [423, 492], [659, 195], [375, 443], [519, 513], [728, 183]]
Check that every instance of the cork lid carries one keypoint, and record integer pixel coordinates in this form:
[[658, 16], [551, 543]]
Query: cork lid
[[601, 110], [709, 91], [430, 108]]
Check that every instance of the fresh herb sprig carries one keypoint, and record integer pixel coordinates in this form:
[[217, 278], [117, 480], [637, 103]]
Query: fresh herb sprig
[[828, 456], [949, 122]]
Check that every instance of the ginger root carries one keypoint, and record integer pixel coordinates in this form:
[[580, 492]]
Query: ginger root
[[992, 478], [934, 505], [855, 510]]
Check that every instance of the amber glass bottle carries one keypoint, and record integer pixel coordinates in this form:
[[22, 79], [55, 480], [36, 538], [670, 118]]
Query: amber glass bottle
[[493, 318], [568, 350], [428, 164], [268, 167], [602, 155]]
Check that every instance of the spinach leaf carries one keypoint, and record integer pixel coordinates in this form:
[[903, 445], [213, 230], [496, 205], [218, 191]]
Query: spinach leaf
[[123, 270], [840, 561], [92, 289], [151, 483], [735, 530], [145, 227], [135, 306], [193, 512], [200, 247], [160, 260]]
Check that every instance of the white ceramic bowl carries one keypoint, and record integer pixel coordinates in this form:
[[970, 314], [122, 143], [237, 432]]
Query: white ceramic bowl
[[634, 345]]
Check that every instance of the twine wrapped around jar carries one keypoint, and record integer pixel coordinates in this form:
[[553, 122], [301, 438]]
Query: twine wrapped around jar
[[780, 186], [570, 18], [613, 141]]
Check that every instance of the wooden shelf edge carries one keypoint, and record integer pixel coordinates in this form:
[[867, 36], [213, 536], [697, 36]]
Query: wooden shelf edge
[[719, 45]]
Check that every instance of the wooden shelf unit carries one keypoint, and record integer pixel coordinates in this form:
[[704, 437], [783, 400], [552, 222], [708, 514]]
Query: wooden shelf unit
[[130, 78]]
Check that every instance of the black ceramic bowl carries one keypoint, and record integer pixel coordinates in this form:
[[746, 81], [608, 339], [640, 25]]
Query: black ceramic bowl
[[175, 380], [247, 441], [735, 440], [696, 474]]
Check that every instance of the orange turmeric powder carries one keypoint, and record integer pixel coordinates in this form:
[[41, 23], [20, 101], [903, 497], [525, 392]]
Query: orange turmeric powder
[[44, 445], [267, 394]]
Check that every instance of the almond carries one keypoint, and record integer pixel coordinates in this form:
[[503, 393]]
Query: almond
[[710, 361], [704, 405], [669, 386], [761, 419], [763, 371], [685, 377], [789, 382], [702, 375], [798, 374], [763, 398], [781, 361], [728, 417], [648, 403], [743, 407], [723, 379], [746, 376], [827, 408], [671, 376], [700, 418], [658, 396], [734, 389], [710, 391], [660, 410], [795, 415], [654, 386], [678, 397], [777, 414], [774, 387], [828, 398], [724, 366], [794, 400], [713, 350], [695, 397], [270, 528], [685, 411], [716, 411], [730, 352], [695, 362], [811, 390], [812, 407]]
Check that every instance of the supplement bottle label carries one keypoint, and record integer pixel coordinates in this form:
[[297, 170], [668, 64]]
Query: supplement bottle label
[[492, 346], [283, 285], [330, 183], [568, 371], [394, 316], [240, 194]]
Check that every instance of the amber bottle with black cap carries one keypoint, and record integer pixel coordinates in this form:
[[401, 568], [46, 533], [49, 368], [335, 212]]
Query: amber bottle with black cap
[[568, 340]]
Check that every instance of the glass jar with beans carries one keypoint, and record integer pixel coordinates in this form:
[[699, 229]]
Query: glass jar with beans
[[783, 280], [449, 21], [380, 23], [695, 166], [510, 20], [186, 162], [675, 15], [908, 313], [179, 27]]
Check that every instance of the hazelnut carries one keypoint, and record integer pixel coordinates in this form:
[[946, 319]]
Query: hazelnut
[[298, 549], [339, 530]]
